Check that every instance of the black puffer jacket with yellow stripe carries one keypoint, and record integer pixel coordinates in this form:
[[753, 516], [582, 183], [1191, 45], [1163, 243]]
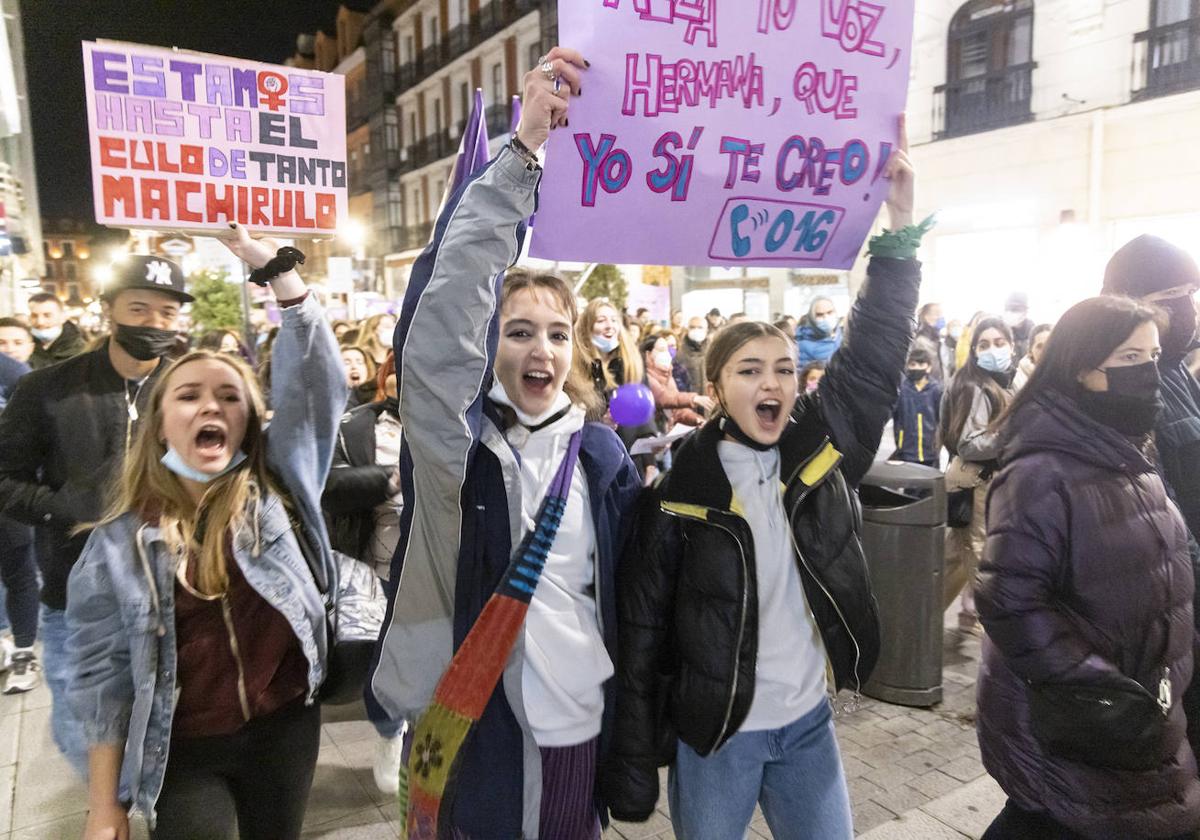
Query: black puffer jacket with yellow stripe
[[688, 628]]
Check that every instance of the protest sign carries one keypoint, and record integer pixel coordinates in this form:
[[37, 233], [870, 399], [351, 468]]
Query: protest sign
[[725, 132], [194, 141]]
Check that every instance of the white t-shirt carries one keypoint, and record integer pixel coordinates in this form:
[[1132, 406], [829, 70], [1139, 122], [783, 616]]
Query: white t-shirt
[[566, 663], [790, 671]]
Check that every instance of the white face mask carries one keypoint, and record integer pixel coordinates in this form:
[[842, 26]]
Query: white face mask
[[663, 360], [1013, 319], [698, 334], [47, 336]]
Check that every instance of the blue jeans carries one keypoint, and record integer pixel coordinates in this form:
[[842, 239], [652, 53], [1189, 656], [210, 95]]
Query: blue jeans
[[795, 773], [66, 730]]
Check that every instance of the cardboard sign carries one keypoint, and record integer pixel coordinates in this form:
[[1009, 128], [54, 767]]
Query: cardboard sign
[[725, 132], [194, 141]]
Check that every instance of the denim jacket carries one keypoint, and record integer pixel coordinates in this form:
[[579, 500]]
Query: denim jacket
[[121, 593]]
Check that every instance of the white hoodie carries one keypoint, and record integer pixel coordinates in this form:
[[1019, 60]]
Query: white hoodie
[[789, 679], [566, 663]]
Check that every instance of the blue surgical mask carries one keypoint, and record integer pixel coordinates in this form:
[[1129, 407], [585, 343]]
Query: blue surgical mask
[[605, 345], [825, 325], [175, 463], [996, 360], [939, 324]]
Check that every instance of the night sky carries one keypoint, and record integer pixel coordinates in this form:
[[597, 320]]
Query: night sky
[[256, 29]]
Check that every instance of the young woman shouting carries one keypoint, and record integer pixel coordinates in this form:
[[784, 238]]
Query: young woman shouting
[[198, 635], [747, 602], [500, 643]]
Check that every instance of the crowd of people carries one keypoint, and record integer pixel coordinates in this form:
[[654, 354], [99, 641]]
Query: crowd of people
[[563, 617]]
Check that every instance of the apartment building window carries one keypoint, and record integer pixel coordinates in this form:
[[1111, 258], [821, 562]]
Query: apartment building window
[[464, 11], [433, 30], [68, 248], [535, 52], [989, 68], [497, 83], [1167, 55], [464, 105], [410, 49]]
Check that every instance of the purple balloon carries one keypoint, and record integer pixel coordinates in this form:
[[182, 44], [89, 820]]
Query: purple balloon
[[632, 405]]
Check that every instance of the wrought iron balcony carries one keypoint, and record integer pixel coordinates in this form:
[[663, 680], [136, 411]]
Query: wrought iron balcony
[[1166, 59], [984, 103], [499, 119]]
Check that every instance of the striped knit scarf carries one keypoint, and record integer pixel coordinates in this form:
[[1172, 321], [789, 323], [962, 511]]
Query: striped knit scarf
[[426, 785]]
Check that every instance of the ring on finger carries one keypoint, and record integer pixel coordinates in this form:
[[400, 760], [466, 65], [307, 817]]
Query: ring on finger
[[547, 69]]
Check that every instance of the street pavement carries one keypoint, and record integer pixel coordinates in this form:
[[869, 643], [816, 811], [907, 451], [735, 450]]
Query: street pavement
[[912, 773]]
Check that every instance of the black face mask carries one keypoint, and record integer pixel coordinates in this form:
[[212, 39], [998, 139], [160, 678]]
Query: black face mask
[[144, 343], [1181, 332], [730, 427], [1131, 404], [392, 406], [915, 376]]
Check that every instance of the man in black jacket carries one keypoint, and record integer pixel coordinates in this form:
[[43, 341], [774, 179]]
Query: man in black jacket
[[66, 430], [57, 338]]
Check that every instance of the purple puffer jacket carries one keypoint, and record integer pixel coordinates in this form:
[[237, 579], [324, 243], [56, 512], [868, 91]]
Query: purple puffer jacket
[[1085, 578]]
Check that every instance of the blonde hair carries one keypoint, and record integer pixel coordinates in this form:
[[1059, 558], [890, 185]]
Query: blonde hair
[[151, 491], [369, 341], [577, 387], [586, 352]]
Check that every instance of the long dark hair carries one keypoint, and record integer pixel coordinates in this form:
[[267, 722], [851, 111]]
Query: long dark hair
[[969, 379], [1080, 342]]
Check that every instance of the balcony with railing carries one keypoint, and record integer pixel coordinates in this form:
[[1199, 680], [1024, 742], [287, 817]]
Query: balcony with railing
[[983, 103], [408, 75], [499, 119], [432, 147], [1166, 59]]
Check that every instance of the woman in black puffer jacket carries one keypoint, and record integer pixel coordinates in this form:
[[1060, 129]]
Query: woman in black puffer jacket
[[1085, 591], [749, 577]]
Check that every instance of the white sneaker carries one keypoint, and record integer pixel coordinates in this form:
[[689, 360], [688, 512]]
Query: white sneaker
[[25, 672], [7, 648], [387, 764]]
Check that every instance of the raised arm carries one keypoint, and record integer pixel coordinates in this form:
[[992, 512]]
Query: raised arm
[[308, 386], [862, 382]]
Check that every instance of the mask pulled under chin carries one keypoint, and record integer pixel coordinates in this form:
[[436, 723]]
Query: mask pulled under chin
[[730, 427], [498, 395], [144, 343], [175, 463]]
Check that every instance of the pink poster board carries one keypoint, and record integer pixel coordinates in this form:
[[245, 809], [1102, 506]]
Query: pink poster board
[[725, 132], [194, 141]]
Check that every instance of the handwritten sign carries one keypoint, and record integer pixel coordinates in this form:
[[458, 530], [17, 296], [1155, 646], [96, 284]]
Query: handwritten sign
[[195, 141], [725, 132]]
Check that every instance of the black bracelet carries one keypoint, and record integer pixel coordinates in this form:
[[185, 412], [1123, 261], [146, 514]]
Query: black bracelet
[[285, 260], [524, 153]]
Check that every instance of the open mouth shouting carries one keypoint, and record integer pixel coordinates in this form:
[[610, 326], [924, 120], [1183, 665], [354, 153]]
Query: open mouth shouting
[[537, 382], [769, 413], [210, 444]]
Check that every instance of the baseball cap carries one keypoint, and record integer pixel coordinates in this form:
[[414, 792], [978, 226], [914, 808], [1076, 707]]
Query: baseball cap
[[144, 271]]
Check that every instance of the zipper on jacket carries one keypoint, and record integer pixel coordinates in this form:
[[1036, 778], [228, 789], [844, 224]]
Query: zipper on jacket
[[853, 704], [227, 614], [737, 649], [920, 438]]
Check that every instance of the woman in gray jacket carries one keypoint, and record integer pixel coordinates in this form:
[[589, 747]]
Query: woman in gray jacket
[[197, 628], [977, 395]]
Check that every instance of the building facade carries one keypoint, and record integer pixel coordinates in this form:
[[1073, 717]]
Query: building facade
[[411, 68], [1047, 133]]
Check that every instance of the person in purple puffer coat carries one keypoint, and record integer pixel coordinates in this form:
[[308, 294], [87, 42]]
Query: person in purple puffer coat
[[1086, 581]]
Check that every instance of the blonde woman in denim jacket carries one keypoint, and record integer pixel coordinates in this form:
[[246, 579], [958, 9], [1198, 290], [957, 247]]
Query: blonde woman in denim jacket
[[197, 629]]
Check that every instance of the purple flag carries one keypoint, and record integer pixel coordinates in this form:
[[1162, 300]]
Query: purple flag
[[472, 148], [516, 115]]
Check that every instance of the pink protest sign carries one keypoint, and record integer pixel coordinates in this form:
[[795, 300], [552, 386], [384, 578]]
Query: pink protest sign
[[725, 132], [196, 141]]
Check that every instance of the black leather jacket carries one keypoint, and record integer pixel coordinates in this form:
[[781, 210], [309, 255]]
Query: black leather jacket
[[688, 600], [356, 485]]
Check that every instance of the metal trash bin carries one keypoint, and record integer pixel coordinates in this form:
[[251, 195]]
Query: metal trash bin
[[904, 518]]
